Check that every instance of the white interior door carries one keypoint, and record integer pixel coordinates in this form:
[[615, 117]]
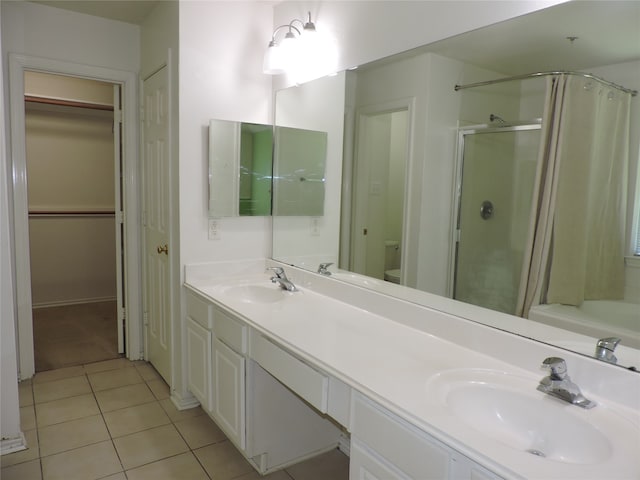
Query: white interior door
[[157, 221]]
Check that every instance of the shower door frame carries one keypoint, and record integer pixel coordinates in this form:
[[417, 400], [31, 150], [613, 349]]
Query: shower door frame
[[457, 189]]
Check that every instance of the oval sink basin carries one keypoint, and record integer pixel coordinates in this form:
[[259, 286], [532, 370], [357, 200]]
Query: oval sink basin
[[255, 293], [507, 409], [521, 422]]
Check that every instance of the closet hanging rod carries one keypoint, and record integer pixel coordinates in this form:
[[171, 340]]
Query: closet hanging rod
[[542, 74], [71, 213], [67, 103]]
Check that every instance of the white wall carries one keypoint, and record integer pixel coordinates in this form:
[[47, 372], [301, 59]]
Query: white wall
[[41, 31], [221, 48], [369, 30]]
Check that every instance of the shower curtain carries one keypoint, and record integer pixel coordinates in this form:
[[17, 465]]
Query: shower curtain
[[576, 241]]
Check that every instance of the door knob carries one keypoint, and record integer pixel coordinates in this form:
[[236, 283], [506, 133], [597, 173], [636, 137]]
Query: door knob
[[164, 249]]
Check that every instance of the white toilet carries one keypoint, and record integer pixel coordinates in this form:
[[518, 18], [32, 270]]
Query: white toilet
[[392, 261], [392, 275]]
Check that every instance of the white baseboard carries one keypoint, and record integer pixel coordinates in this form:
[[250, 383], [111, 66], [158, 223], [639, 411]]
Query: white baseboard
[[14, 444], [184, 403]]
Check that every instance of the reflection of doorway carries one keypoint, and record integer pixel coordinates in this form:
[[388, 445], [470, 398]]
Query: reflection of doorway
[[379, 193], [75, 234], [496, 179]]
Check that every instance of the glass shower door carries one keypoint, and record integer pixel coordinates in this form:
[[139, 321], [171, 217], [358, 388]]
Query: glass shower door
[[495, 190]]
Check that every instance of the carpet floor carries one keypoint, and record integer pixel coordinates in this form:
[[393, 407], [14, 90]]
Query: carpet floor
[[71, 335]]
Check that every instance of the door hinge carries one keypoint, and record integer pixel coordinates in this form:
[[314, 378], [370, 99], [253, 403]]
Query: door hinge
[[119, 217], [144, 218], [145, 318], [457, 237], [122, 316]]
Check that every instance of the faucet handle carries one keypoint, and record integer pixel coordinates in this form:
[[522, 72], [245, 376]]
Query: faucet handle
[[610, 343], [322, 268], [279, 271], [557, 366], [605, 348]]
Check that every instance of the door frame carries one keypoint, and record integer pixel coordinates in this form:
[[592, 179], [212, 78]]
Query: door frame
[[403, 104], [128, 80]]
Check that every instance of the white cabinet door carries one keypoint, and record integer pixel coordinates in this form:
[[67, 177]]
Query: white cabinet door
[[199, 362], [229, 392], [365, 464]]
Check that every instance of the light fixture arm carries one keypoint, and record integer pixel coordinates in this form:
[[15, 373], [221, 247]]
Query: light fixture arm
[[288, 26]]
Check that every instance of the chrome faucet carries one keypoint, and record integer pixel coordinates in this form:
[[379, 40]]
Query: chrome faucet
[[281, 278], [323, 268], [558, 384], [605, 348]]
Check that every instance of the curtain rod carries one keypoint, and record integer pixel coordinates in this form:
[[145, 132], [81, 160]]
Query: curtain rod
[[541, 74]]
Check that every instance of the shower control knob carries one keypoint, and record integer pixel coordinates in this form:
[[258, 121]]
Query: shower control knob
[[486, 210]]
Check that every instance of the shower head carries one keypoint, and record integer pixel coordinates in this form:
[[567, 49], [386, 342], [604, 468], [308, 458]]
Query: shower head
[[496, 118]]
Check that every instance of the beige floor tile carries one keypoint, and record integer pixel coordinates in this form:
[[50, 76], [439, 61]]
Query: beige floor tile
[[149, 446], [66, 409], [86, 463], [107, 365], [117, 476], [56, 389], [222, 461], [31, 453], [25, 393], [147, 371], [333, 464], [200, 431], [176, 415], [135, 419], [114, 378], [180, 467], [58, 374], [23, 471], [159, 388], [124, 397], [280, 475], [69, 435], [27, 418]]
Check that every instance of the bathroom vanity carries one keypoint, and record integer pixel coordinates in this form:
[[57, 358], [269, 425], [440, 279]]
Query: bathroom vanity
[[408, 392]]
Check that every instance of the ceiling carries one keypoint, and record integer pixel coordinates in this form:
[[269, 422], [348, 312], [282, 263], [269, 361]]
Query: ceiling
[[130, 11], [607, 31]]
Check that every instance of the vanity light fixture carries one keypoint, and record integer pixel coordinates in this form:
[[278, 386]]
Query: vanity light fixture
[[279, 58]]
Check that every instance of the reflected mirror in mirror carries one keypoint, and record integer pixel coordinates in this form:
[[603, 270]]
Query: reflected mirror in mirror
[[298, 177], [451, 150], [240, 165], [311, 235]]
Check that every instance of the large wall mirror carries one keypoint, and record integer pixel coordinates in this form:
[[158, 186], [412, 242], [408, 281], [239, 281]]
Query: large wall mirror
[[430, 191]]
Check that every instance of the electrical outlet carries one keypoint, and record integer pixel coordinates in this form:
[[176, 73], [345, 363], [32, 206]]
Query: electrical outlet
[[315, 226], [214, 229]]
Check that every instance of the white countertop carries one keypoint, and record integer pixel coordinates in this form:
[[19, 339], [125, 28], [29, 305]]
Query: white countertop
[[391, 363]]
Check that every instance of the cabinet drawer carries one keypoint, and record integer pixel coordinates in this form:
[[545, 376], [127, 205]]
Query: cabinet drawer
[[231, 331], [307, 382], [409, 450], [200, 310]]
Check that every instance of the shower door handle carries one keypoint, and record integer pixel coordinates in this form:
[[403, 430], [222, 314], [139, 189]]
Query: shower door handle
[[486, 210]]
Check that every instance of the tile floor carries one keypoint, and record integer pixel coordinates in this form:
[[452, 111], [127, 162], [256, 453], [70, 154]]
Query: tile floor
[[114, 420]]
